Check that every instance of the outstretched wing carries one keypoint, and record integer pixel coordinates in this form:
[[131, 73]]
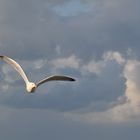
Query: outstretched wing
[[55, 78], [16, 66]]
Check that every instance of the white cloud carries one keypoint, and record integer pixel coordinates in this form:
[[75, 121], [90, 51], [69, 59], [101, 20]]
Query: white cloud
[[132, 72], [38, 64], [114, 56], [68, 62], [93, 67], [96, 66], [9, 73]]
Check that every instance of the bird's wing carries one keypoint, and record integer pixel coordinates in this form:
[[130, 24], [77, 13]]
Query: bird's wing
[[55, 78], [16, 66]]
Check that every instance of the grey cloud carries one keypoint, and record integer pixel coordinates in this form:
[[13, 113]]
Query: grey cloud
[[101, 90], [31, 31], [34, 26]]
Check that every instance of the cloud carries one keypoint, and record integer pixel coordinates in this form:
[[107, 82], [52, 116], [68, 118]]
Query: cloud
[[70, 62], [38, 28], [93, 67], [99, 47], [117, 100], [105, 73], [126, 111], [96, 67], [114, 56]]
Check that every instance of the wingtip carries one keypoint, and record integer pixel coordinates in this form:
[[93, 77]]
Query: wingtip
[[73, 79], [1, 56]]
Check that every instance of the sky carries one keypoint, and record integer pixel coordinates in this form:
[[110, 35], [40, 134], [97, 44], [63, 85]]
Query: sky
[[96, 42]]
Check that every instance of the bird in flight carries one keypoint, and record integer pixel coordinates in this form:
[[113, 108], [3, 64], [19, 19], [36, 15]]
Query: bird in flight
[[30, 86]]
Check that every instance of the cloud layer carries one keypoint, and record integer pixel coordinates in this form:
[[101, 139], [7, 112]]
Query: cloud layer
[[98, 44]]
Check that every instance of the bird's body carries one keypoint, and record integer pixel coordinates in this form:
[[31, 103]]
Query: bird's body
[[30, 86]]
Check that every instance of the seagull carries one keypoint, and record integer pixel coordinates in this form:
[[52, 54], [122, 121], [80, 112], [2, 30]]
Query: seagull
[[31, 86]]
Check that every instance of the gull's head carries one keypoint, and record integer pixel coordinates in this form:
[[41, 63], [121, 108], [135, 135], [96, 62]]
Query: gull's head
[[31, 87]]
